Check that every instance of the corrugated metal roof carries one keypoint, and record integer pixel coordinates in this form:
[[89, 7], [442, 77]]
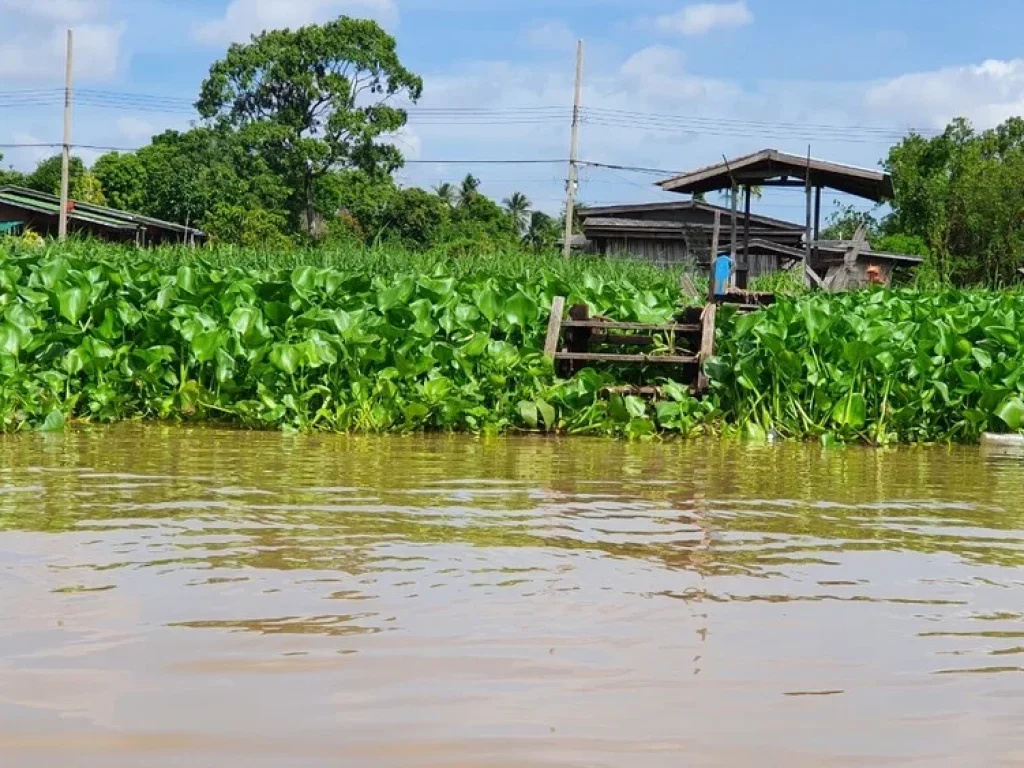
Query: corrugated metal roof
[[41, 206], [99, 213]]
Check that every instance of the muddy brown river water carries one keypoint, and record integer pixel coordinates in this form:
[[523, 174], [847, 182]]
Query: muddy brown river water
[[176, 596]]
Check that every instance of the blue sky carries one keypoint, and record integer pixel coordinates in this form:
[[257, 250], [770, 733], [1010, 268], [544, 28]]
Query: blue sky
[[668, 84]]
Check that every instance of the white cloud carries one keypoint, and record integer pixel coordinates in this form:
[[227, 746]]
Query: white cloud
[[653, 109], [247, 17], [64, 11], [702, 18], [549, 35], [135, 129], [40, 55], [28, 156], [987, 93]]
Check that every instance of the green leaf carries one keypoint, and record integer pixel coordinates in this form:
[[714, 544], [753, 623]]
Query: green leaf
[[547, 412], [284, 357], [186, 279], [10, 339], [755, 433], [415, 411], [520, 309], [436, 389], [816, 318], [243, 319], [529, 413], [206, 344], [1011, 412], [984, 358], [489, 304], [54, 422], [72, 304], [851, 411]]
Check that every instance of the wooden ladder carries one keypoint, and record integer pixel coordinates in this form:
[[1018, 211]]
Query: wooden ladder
[[580, 340]]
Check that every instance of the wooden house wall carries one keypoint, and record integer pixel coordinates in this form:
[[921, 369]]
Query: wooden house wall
[[692, 250]]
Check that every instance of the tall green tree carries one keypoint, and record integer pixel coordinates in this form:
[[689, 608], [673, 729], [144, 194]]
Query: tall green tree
[[184, 176], [468, 189], [46, 176], [124, 180], [517, 206], [962, 194], [313, 100], [543, 231]]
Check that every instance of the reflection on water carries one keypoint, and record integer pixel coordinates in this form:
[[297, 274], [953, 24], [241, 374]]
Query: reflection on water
[[236, 599]]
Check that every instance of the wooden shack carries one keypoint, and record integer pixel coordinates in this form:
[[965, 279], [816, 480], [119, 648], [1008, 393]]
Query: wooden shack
[[678, 233], [22, 209], [774, 168]]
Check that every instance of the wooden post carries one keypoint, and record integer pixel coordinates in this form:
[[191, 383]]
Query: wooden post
[[65, 169], [570, 202], [707, 344], [744, 274], [716, 234], [808, 235], [817, 214], [554, 326], [734, 240]]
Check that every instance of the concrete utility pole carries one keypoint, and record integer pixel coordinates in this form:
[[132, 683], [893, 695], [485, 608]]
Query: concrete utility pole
[[65, 169], [570, 202]]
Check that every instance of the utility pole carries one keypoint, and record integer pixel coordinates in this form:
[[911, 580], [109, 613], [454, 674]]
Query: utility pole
[[570, 202], [65, 169]]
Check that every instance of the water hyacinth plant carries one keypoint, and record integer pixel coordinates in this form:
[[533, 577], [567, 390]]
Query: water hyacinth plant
[[102, 339], [382, 340], [878, 366]]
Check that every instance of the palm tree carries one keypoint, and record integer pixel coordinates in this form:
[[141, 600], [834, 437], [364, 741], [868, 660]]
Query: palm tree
[[542, 232], [446, 192], [517, 206], [468, 189]]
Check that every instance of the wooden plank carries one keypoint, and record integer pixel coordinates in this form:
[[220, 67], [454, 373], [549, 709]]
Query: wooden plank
[[554, 326], [853, 252], [618, 338], [707, 345], [611, 325], [597, 357], [653, 392], [812, 276]]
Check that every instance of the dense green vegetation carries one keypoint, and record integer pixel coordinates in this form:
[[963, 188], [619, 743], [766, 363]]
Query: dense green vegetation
[[385, 340]]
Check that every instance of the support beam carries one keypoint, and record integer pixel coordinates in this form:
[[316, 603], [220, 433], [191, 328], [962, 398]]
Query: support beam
[[809, 234], [743, 276], [733, 236], [716, 234], [817, 213]]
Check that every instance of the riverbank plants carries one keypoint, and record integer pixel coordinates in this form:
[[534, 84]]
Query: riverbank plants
[[387, 340]]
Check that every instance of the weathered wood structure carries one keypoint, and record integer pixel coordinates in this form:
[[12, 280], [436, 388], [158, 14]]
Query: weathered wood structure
[[677, 233], [773, 168], [678, 349]]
